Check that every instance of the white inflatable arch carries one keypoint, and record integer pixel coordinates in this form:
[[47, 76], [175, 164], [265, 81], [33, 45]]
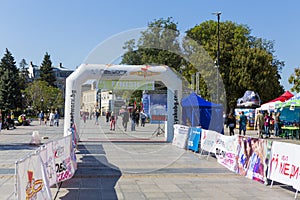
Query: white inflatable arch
[[87, 72]]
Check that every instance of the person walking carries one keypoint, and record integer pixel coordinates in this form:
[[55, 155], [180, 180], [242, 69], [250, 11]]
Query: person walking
[[125, 119], [143, 118], [41, 117], [231, 123], [242, 123], [97, 117], [107, 115], [137, 118], [56, 118], [277, 124], [112, 121], [259, 123], [133, 120], [267, 124], [51, 118]]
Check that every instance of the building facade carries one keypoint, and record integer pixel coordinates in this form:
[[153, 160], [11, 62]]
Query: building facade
[[61, 73]]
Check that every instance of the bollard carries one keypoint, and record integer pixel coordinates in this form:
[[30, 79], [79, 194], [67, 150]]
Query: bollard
[[35, 139]]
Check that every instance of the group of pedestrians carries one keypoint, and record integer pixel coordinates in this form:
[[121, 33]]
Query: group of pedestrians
[[52, 117], [134, 116], [231, 123], [264, 123]]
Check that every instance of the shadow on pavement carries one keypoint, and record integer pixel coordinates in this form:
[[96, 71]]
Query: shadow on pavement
[[18, 146], [95, 177]]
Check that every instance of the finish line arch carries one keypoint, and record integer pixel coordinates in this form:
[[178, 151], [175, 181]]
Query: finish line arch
[[87, 72]]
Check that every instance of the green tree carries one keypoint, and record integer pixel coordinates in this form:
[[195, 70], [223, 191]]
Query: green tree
[[10, 96], [24, 74], [42, 96], [47, 71], [158, 45], [246, 62], [295, 80]]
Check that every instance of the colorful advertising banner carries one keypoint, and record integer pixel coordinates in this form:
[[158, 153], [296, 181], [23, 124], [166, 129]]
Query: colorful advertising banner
[[252, 158], [31, 179], [146, 104], [194, 139], [126, 85], [226, 151], [63, 161], [180, 136]]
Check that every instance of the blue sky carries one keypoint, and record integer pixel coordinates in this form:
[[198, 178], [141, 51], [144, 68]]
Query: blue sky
[[70, 30]]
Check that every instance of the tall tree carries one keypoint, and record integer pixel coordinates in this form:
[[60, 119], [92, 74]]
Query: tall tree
[[158, 45], [295, 80], [10, 96], [47, 71], [246, 62], [24, 74]]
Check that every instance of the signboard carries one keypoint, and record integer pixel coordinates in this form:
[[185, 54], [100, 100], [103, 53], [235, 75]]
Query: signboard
[[180, 136], [126, 85], [194, 139], [158, 108]]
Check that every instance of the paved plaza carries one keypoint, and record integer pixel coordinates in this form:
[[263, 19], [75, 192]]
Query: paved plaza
[[133, 165]]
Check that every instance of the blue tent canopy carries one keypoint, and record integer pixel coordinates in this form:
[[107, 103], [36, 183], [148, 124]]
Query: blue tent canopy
[[202, 113]]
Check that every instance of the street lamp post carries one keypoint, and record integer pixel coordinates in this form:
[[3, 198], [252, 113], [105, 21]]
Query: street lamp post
[[22, 106], [42, 103], [218, 14]]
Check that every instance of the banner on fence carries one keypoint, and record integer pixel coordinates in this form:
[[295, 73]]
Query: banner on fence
[[194, 138], [252, 158], [180, 136], [47, 157], [284, 164], [208, 140], [226, 151], [31, 179], [62, 155]]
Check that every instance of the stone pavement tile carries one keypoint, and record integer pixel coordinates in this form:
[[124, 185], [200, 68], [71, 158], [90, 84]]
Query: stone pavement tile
[[149, 188], [169, 188], [90, 183], [91, 194], [108, 194], [129, 187], [155, 195], [133, 196], [177, 195]]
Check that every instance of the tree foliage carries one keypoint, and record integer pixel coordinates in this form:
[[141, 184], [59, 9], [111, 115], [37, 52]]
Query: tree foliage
[[246, 62], [158, 45], [24, 74], [42, 96], [295, 80], [10, 96], [47, 70]]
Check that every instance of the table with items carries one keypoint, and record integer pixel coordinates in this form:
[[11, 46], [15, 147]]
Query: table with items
[[290, 132]]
